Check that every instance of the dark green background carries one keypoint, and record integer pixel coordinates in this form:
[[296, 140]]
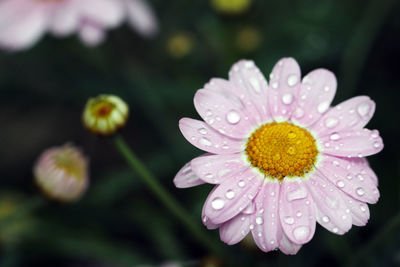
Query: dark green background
[[118, 221]]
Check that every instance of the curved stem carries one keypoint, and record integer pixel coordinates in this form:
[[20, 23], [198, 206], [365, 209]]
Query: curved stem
[[164, 196], [376, 240]]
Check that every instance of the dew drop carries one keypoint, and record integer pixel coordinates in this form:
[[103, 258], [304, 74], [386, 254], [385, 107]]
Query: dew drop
[[217, 203], [363, 208], [360, 191], [230, 194], [374, 133], [288, 220], [325, 219], [208, 113], [363, 109], [259, 220], [251, 226], [326, 88], [274, 85], [335, 230], [287, 98], [296, 194], [299, 113], [209, 175], [205, 142], [334, 137], [233, 117], [331, 122], [377, 144], [322, 107], [299, 214], [292, 79], [241, 183], [340, 183], [301, 233], [255, 84], [202, 131]]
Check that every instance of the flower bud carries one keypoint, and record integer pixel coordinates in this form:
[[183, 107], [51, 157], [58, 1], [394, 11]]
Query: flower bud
[[231, 6], [62, 173], [179, 45], [105, 114]]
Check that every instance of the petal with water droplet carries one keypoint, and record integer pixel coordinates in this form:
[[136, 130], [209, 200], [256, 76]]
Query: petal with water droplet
[[282, 98], [212, 141], [302, 229], [234, 230], [234, 205], [267, 231], [317, 92], [186, 177], [329, 204]]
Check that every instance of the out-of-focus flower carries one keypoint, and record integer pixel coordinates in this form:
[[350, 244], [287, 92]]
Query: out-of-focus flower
[[211, 261], [179, 45], [24, 22], [248, 39], [281, 157], [12, 232], [62, 173], [105, 114], [231, 6]]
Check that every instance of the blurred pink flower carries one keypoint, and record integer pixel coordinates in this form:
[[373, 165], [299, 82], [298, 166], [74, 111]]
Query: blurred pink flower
[[62, 173], [282, 158], [24, 22]]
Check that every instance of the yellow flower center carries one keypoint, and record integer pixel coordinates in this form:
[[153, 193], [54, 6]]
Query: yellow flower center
[[282, 150]]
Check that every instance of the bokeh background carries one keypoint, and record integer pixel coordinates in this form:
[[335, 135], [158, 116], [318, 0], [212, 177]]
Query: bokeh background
[[118, 222]]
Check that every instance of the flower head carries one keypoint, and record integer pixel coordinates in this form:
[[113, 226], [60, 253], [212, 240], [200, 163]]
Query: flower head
[[24, 22], [62, 173], [105, 114], [281, 157]]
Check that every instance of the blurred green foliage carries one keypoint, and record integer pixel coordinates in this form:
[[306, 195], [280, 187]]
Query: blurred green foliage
[[118, 222]]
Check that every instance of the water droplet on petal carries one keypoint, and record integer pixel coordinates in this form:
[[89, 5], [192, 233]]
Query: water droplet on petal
[[288, 220], [230, 194], [334, 137], [335, 230], [296, 194], [274, 85], [298, 113], [363, 109], [208, 113], [326, 88], [202, 131], [299, 214], [287, 98], [292, 79], [377, 144], [255, 84], [360, 191], [322, 107], [217, 203], [331, 122], [325, 219], [363, 208], [233, 117], [301, 233], [241, 183], [340, 183], [259, 220], [205, 142]]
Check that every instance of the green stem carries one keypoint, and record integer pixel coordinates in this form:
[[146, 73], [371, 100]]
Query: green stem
[[363, 253], [164, 196]]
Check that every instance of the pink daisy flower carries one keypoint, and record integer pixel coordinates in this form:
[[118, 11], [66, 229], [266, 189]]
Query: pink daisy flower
[[281, 157], [24, 22]]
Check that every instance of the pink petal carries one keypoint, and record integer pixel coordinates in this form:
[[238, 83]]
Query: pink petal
[[107, 13], [352, 114], [226, 115], [207, 222], [358, 209], [141, 17], [252, 86], [284, 88], [186, 177], [297, 211], [215, 168], [350, 176], [332, 211], [23, 25], [316, 94], [352, 144], [65, 18], [239, 95], [267, 228], [207, 139], [234, 230], [287, 246], [91, 33], [231, 197]]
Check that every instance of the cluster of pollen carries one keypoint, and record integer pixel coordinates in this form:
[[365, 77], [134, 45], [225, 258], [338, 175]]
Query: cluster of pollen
[[282, 150]]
